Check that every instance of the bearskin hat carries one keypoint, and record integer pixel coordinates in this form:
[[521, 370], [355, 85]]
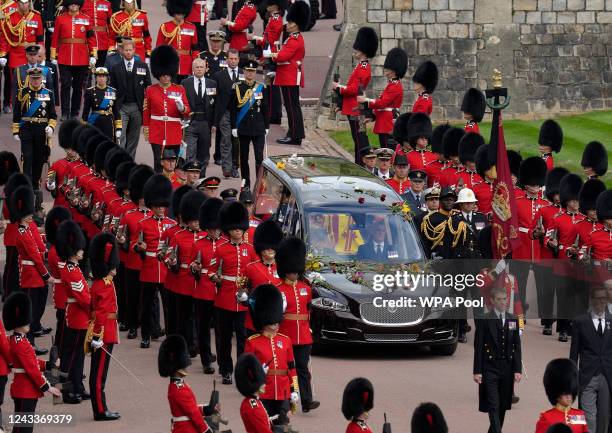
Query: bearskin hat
[[69, 240], [450, 141], [553, 179], [366, 41], [282, 4], [358, 397], [299, 13], [589, 193], [138, 177], [15, 181], [75, 134], [551, 135], [122, 176], [400, 127], [233, 215], [604, 205], [533, 171], [157, 191], [559, 428], [474, 103], [93, 143], [103, 149], [73, 2], [428, 418], [190, 205], [427, 76], [419, 125], [164, 61], [291, 256], [436, 138], [103, 255], [482, 160], [175, 200], [249, 374], [112, 162], [569, 188], [182, 7], [468, 145], [8, 165], [54, 218], [17, 311], [596, 157], [209, 214], [266, 305], [21, 203], [560, 377], [81, 142], [267, 236], [173, 355], [65, 132], [397, 61], [514, 161]]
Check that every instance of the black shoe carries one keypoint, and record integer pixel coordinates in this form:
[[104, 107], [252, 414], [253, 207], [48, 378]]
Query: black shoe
[[227, 379], [40, 352], [462, 338], [85, 396], [284, 140], [547, 330], [155, 335], [218, 162], [106, 416], [209, 369], [123, 327], [563, 337], [132, 334], [327, 17], [70, 398], [337, 27], [275, 121], [515, 399], [193, 352], [310, 405], [213, 358], [145, 343]]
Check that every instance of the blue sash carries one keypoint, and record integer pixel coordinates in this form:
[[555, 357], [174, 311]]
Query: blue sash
[[103, 106], [247, 106], [34, 106]]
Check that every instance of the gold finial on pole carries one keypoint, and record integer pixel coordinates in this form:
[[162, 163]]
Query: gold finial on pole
[[497, 79]]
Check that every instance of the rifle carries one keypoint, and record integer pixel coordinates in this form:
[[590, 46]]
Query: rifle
[[214, 419], [553, 237], [336, 98], [141, 240], [198, 261], [364, 112], [575, 245], [387, 425], [540, 227]]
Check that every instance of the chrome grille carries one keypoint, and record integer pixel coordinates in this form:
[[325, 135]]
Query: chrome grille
[[398, 317], [391, 338]]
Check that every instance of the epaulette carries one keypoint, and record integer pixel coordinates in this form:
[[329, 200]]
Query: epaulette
[[364, 63], [362, 424], [22, 230], [281, 335], [425, 96], [70, 267], [254, 336], [253, 403], [251, 5], [235, 85], [295, 35], [179, 383]]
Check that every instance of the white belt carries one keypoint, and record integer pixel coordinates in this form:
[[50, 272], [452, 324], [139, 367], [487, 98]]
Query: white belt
[[151, 254], [70, 301], [384, 109], [180, 418], [523, 230], [283, 63], [184, 266], [28, 262], [166, 118], [57, 280], [18, 370], [228, 278], [204, 271]]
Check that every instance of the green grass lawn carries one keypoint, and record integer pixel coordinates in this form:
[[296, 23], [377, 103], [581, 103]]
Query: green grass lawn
[[522, 136]]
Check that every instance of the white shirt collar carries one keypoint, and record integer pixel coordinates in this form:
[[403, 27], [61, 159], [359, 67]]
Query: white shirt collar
[[195, 83]]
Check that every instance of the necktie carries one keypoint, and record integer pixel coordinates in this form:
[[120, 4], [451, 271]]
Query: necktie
[[418, 200], [378, 249], [469, 218], [600, 328], [233, 75], [199, 87], [129, 66]]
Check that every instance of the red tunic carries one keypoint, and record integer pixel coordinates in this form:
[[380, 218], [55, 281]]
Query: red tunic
[[135, 26], [359, 78], [152, 227], [166, 236], [186, 240], [61, 168], [527, 210], [277, 353], [207, 246], [161, 115], [400, 186], [5, 352], [423, 104], [600, 247], [564, 223], [28, 381], [104, 305], [547, 213], [183, 405], [290, 68], [79, 298], [74, 40], [585, 228], [9, 7], [130, 220], [390, 98], [184, 39], [449, 176], [100, 12], [358, 426], [469, 178], [18, 31], [259, 273], [296, 321], [32, 270], [434, 171], [272, 33], [548, 159], [508, 282], [254, 416], [233, 259], [418, 159], [239, 27], [59, 288], [484, 194], [199, 13], [117, 210], [574, 419], [471, 126]]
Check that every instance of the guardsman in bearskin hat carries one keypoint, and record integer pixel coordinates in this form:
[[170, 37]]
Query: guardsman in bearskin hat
[[179, 34], [29, 383], [290, 71], [594, 160], [157, 192], [127, 237], [473, 107], [418, 133], [274, 350], [561, 385], [364, 48], [467, 155], [203, 258], [561, 239], [54, 218], [550, 140], [514, 161], [449, 176], [183, 242], [227, 271], [434, 168], [297, 293], [165, 104], [399, 134], [239, 27], [33, 274], [100, 108], [425, 80], [60, 168], [104, 258], [487, 170], [251, 383], [107, 194], [131, 22], [70, 244], [599, 243], [357, 402], [187, 415], [428, 418], [390, 100], [263, 271]]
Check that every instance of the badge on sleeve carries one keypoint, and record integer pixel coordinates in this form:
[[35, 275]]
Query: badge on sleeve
[[253, 403]]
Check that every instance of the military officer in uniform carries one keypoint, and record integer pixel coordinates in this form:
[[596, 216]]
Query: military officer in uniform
[[100, 108], [383, 157], [215, 57], [210, 185], [20, 78], [399, 182], [131, 22], [414, 196], [249, 118], [34, 120], [434, 225], [368, 159]]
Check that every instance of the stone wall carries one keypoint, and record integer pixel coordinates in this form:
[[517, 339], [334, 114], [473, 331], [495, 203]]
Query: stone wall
[[555, 55]]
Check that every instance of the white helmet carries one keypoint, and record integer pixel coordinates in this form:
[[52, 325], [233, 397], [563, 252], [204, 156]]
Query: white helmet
[[466, 195]]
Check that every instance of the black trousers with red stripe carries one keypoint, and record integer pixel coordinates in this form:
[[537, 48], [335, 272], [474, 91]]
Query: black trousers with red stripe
[[295, 121], [23, 406], [100, 361], [73, 359]]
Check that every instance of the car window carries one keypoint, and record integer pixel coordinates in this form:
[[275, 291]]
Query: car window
[[268, 195], [287, 215]]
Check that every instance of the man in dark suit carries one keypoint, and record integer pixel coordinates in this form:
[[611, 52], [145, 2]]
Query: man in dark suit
[[591, 350], [226, 78], [497, 359], [201, 94], [130, 78], [377, 248]]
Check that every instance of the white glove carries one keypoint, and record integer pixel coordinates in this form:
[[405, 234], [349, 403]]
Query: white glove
[[267, 53], [118, 134], [267, 130], [51, 29], [180, 105], [501, 265], [242, 296], [235, 133], [265, 367], [16, 137], [284, 302], [49, 131], [54, 61], [96, 343], [92, 61], [148, 60], [3, 61], [295, 397]]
